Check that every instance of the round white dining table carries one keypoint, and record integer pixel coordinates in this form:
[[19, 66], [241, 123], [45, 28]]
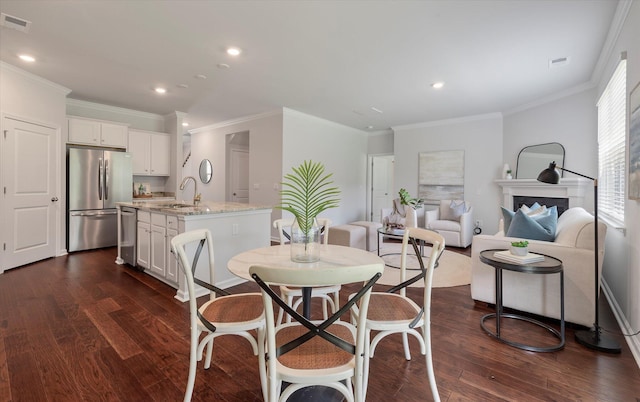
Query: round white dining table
[[331, 256]]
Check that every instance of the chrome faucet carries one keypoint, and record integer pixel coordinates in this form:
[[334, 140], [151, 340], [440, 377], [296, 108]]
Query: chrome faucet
[[196, 196]]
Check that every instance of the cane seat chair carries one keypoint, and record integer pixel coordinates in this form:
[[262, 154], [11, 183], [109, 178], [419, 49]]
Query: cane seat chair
[[222, 314], [306, 353], [391, 312], [293, 295]]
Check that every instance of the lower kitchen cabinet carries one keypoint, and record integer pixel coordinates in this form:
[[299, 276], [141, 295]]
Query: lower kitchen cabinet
[[155, 232]]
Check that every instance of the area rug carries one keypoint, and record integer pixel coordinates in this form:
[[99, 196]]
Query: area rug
[[454, 269]]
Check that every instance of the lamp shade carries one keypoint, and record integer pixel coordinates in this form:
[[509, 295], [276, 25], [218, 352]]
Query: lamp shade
[[550, 175]]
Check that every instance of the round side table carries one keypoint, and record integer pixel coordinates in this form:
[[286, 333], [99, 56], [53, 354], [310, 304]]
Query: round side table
[[549, 265]]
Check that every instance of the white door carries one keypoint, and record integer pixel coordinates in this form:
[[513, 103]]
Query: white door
[[381, 185], [31, 204], [239, 175]]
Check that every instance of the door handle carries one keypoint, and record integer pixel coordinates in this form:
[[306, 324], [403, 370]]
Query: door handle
[[54, 199]]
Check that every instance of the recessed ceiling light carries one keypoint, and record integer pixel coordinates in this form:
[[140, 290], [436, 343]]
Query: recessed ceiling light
[[200, 76], [369, 127], [375, 109], [27, 58], [185, 124], [160, 90], [437, 85], [182, 86], [233, 51], [223, 66]]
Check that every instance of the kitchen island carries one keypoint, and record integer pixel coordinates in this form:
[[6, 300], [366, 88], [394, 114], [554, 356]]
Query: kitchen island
[[235, 228]]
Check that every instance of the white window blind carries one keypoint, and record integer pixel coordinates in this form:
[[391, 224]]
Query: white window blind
[[612, 111]]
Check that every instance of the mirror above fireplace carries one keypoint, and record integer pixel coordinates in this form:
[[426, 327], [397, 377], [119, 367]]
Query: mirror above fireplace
[[535, 158]]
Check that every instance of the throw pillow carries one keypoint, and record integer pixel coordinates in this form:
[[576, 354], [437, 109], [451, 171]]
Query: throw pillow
[[454, 212], [537, 227], [535, 209], [507, 216]]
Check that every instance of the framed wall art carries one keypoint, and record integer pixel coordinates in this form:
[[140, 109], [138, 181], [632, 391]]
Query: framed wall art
[[441, 176]]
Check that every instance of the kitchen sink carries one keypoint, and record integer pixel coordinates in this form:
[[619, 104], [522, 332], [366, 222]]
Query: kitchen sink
[[177, 205]]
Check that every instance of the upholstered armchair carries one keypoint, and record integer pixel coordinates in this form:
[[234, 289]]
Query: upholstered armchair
[[453, 219]]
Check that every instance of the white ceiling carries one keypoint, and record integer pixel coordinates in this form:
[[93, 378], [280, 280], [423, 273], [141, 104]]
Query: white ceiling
[[332, 59]]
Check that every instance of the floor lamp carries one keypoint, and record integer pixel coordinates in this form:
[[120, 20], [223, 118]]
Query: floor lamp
[[591, 338]]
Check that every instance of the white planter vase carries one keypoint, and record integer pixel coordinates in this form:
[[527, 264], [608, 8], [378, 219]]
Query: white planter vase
[[411, 217]]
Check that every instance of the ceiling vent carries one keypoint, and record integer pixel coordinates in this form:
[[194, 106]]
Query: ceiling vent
[[560, 61], [16, 23]]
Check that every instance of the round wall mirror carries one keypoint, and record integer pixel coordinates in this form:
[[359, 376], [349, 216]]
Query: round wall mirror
[[535, 158], [206, 170]]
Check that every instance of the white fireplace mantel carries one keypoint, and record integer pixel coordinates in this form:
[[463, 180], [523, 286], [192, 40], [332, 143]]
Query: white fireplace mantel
[[573, 188]]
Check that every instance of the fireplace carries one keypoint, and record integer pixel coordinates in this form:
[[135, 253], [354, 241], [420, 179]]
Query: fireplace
[[561, 203], [566, 194]]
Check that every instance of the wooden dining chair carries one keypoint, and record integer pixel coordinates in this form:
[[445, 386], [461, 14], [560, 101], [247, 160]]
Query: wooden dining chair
[[305, 353], [391, 312], [222, 314], [330, 295]]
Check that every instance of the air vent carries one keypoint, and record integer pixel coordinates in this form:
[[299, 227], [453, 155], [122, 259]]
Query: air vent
[[560, 61], [16, 23]]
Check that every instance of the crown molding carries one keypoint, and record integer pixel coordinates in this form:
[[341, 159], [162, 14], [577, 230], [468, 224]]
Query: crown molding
[[447, 122], [232, 122], [320, 120], [113, 109], [617, 23], [35, 78], [553, 97]]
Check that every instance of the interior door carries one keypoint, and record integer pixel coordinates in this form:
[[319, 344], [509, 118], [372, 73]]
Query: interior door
[[239, 175], [381, 185], [31, 204]]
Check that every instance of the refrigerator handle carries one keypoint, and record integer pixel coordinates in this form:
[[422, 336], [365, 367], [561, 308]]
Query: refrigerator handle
[[106, 179], [100, 185]]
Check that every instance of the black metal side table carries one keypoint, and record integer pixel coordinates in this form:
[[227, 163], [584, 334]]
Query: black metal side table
[[549, 265]]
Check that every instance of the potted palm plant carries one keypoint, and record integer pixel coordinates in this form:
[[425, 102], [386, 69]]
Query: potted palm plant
[[306, 193]]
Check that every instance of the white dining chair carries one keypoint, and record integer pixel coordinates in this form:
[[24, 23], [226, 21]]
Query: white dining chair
[[306, 353], [330, 295], [222, 314], [391, 313]]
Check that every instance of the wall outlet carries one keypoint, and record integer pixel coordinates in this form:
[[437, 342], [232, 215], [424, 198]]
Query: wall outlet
[[478, 223]]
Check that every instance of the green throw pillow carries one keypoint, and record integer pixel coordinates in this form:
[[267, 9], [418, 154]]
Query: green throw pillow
[[537, 227]]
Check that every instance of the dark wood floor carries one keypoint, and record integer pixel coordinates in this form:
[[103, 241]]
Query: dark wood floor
[[80, 327]]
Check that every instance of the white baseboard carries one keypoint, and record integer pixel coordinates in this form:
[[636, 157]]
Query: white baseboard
[[625, 327]]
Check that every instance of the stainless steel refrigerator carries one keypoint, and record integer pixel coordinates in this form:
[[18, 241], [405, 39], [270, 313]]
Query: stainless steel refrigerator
[[96, 180]]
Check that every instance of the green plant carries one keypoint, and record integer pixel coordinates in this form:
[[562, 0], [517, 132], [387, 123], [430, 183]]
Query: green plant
[[406, 199], [521, 243], [306, 193]]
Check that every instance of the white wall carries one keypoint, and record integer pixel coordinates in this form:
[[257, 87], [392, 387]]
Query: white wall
[[265, 150], [36, 100], [571, 121], [341, 149], [622, 257], [481, 139]]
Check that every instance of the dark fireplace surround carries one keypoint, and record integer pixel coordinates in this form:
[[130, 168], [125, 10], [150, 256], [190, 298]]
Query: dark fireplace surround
[[561, 203]]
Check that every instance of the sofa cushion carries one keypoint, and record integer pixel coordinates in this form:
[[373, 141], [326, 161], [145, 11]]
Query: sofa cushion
[[451, 226], [454, 211], [536, 227]]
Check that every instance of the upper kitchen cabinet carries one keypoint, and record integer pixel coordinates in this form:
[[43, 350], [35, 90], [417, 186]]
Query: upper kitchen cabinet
[[150, 153], [98, 133]]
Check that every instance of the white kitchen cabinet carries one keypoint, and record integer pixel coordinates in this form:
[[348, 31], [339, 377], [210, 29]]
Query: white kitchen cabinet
[[143, 245], [172, 264], [158, 245], [97, 132], [150, 152]]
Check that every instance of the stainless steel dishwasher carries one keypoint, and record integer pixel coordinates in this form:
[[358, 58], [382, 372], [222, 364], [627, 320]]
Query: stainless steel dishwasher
[[128, 236]]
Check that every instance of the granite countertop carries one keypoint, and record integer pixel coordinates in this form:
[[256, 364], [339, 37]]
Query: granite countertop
[[187, 208]]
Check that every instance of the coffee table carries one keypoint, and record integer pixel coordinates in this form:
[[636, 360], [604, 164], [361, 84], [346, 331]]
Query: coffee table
[[549, 265]]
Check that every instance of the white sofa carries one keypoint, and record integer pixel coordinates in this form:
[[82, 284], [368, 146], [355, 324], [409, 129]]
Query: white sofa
[[539, 294]]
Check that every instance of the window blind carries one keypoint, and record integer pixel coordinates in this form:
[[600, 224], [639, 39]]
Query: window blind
[[612, 110]]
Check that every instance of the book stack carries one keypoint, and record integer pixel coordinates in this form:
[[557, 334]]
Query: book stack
[[524, 259]]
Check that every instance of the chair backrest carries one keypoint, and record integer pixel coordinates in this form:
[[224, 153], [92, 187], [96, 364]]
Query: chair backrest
[[197, 241], [445, 208], [283, 226], [265, 276], [410, 241]]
